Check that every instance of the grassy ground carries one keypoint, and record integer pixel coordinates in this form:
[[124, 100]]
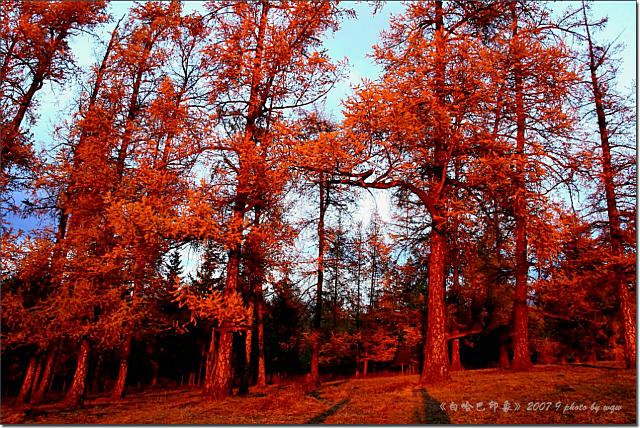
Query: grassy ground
[[396, 400]]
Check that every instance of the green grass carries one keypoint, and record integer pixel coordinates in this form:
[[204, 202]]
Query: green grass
[[383, 400]]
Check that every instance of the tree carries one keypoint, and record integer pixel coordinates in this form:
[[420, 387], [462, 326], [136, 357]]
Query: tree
[[430, 66], [282, 73], [607, 104]]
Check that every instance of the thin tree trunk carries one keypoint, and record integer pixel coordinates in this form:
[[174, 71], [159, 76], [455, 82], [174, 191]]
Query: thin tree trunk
[[76, 393], [615, 233], [155, 369], [521, 356], [121, 382], [365, 368], [358, 273], [23, 397], [203, 365], [504, 356], [211, 355], [43, 386], [262, 380], [315, 372], [245, 359], [36, 377], [455, 355]]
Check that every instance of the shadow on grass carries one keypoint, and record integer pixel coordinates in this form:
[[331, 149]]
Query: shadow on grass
[[318, 419], [432, 413], [596, 367]]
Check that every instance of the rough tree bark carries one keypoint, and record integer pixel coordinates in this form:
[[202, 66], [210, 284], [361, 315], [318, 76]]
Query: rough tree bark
[[75, 395], [436, 360]]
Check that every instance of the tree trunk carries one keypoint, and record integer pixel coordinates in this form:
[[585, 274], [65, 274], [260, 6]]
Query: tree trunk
[[23, 397], [436, 361], [315, 372], [211, 358], [203, 365], [220, 386], [455, 355], [121, 382], [36, 377], [96, 375], [155, 370], [615, 233], [75, 395], [365, 368], [220, 382], [43, 386], [245, 359], [521, 356], [504, 356], [262, 379]]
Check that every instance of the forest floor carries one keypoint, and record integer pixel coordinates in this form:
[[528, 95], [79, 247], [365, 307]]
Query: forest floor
[[566, 393]]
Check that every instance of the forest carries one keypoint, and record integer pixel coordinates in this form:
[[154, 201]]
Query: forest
[[198, 209]]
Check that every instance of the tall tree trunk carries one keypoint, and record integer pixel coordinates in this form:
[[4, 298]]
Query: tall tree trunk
[[436, 360], [335, 293], [43, 386], [75, 395], [222, 381], [121, 382], [262, 379], [455, 355], [315, 372], [615, 233], [358, 273], [23, 397], [521, 356], [372, 289]]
